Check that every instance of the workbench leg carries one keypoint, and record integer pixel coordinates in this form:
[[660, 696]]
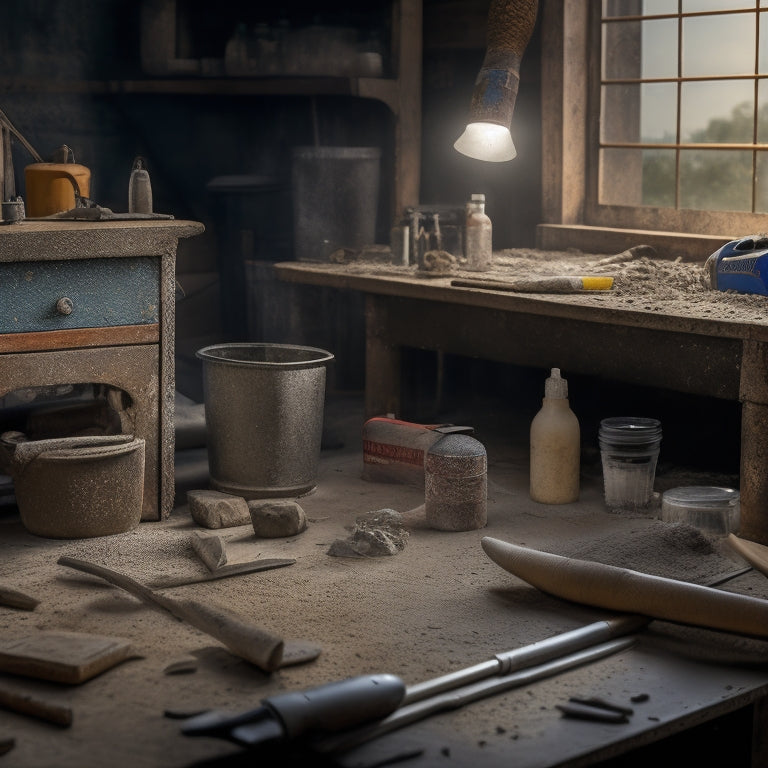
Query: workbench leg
[[760, 733], [382, 361], [754, 442]]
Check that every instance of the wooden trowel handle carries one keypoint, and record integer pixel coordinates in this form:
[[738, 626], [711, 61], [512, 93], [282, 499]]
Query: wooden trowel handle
[[245, 640]]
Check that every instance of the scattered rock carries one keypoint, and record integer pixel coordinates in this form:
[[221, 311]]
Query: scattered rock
[[374, 534], [214, 509], [276, 519], [210, 548]]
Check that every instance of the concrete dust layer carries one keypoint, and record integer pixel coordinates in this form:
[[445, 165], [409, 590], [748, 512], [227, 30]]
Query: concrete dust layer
[[668, 286], [436, 606]]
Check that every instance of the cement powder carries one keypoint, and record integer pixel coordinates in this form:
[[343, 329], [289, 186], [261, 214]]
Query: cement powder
[[670, 286]]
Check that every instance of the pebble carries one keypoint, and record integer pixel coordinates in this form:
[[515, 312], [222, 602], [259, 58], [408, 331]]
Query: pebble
[[214, 509], [276, 519]]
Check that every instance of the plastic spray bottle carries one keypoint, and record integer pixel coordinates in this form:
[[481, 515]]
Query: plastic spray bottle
[[555, 446]]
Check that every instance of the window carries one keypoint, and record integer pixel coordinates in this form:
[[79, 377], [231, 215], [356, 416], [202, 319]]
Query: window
[[672, 135]]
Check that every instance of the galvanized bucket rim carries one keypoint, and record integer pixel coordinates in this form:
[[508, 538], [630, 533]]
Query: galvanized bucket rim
[[209, 355]]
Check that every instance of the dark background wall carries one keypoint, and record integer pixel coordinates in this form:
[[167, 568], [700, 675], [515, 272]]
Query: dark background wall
[[64, 65]]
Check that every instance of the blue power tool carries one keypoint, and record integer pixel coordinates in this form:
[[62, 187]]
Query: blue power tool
[[741, 265]]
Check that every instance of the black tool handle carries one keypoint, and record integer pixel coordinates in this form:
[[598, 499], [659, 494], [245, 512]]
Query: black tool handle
[[338, 705]]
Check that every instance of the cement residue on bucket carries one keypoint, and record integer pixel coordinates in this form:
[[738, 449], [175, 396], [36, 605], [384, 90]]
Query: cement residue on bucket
[[264, 407]]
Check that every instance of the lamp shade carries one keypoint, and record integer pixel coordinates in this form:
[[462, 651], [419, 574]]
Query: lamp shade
[[510, 26], [486, 141]]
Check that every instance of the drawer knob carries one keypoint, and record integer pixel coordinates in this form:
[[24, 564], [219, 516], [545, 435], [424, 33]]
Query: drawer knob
[[65, 305]]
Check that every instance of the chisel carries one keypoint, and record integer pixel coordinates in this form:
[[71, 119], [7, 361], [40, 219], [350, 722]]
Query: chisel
[[553, 284]]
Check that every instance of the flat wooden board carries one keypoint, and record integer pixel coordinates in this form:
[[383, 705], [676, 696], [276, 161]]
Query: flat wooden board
[[62, 657]]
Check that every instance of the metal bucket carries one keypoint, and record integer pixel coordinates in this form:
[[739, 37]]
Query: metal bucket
[[264, 407], [335, 199]]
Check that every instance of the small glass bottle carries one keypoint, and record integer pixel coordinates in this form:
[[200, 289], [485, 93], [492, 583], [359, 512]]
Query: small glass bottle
[[555, 446], [478, 240]]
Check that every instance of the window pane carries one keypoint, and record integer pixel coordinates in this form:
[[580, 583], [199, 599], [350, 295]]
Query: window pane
[[637, 177], [762, 62], [716, 180], [719, 45], [660, 48], [691, 6], [717, 112], [643, 112], [761, 190], [635, 49], [620, 118], [621, 177], [659, 113], [762, 111], [622, 8], [652, 7], [622, 50], [659, 177]]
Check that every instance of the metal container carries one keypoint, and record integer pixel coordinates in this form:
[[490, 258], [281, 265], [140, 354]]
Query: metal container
[[456, 484], [264, 407], [335, 199], [55, 187], [394, 450]]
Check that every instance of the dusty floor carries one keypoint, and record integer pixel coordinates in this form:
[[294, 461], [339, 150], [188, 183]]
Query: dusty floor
[[436, 606]]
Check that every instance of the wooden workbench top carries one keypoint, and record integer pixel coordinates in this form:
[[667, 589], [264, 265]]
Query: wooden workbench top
[[648, 293]]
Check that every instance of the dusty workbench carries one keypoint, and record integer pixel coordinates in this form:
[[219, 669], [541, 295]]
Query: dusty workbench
[[436, 606], [661, 326]]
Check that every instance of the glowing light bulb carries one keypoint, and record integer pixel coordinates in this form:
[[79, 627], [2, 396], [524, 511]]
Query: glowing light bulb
[[486, 141]]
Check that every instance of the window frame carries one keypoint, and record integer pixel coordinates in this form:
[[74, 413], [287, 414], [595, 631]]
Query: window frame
[[571, 214]]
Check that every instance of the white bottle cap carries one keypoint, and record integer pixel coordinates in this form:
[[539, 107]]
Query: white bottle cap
[[478, 197], [555, 386]]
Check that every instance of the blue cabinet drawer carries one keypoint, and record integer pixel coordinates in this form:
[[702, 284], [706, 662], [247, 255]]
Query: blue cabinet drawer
[[78, 293]]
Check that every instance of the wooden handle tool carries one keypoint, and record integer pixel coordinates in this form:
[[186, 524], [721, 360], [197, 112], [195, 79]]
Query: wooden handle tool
[[32, 706], [15, 599], [550, 284], [245, 640], [755, 554], [620, 589]]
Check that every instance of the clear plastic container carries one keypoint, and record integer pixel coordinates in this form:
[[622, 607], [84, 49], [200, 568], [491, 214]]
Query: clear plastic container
[[709, 508], [629, 448]]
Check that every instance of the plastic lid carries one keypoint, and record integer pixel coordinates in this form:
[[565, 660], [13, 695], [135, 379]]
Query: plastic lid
[[478, 197], [555, 386], [708, 496], [629, 430], [711, 509]]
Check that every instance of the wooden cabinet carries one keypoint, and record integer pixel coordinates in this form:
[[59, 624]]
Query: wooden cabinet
[[114, 333]]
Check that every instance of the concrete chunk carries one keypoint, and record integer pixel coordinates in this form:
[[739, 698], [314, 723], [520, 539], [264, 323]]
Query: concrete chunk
[[214, 509], [275, 519]]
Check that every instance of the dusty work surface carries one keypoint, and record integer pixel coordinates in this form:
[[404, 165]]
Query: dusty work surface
[[645, 283], [436, 606]]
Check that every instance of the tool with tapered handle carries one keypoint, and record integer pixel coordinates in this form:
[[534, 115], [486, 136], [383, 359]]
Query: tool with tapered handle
[[248, 641]]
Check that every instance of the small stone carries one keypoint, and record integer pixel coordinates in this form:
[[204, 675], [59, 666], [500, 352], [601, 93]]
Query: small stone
[[214, 509], [276, 519]]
